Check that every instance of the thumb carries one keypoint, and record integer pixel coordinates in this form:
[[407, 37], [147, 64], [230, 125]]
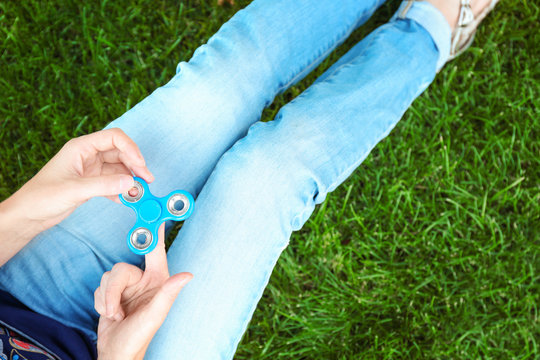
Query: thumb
[[163, 300], [104, 185]]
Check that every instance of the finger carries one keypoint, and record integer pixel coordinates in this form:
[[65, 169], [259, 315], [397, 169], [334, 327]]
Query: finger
[[99, 304], [156, 261], [161, 303], [112, 156], [101, 292], [114, 168], [111, 169], [143, 172], [106, 185], [114, 198], [112, 139], [115, 157], [122, 276]]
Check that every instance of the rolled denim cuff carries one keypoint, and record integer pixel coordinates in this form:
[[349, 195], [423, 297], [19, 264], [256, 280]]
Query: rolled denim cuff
[[431, 19]]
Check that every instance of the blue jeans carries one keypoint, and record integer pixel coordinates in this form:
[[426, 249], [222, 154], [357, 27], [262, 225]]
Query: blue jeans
[[255, 182]]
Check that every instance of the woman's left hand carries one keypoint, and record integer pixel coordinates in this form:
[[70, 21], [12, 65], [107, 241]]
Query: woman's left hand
[[133, 304], [98, 164]]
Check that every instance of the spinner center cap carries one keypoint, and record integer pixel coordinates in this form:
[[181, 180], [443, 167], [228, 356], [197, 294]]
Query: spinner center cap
[[150, 211]]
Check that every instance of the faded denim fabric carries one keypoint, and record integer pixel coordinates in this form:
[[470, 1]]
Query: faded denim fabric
[[255, 182]]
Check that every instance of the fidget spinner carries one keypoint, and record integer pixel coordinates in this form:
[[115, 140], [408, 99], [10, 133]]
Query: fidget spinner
[[151, 212]]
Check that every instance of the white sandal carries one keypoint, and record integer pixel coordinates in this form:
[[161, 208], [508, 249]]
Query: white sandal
[[463, 34]]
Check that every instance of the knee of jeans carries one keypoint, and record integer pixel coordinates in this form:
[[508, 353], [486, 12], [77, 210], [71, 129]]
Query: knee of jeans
[[184, 106], [267, 178], [235, 63]]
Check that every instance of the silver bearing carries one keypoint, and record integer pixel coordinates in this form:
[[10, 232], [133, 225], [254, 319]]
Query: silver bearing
[[172, 204], [133, 199], [141, 238]]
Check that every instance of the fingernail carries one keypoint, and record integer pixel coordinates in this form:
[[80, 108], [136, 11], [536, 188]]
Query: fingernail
[[149, 177], [186, 280]]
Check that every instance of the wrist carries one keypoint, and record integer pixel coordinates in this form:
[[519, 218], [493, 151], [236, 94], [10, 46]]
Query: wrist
[[13, 216], [16, 229], [115, 349]]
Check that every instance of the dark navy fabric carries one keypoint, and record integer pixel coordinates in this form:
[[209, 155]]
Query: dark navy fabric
[[25, 334]]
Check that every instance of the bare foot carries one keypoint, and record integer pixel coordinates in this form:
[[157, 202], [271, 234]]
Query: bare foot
[[450, 9]]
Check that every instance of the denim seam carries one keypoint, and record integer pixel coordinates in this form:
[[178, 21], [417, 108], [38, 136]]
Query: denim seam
[[374, 36], [348, 170], [318, 189], [381, 135], [329, 47], [257, 296]]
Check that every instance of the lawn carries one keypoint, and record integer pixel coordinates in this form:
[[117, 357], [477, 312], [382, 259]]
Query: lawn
[[429, 250]]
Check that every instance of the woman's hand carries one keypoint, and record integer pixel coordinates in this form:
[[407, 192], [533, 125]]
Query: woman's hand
[[99, 164], [133, 304]]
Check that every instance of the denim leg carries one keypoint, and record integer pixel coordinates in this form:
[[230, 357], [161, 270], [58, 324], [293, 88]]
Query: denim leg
[[182, 129], [268, 183]]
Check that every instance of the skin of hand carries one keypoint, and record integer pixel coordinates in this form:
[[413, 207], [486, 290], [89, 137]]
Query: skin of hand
[[133, 304], [98, 164]]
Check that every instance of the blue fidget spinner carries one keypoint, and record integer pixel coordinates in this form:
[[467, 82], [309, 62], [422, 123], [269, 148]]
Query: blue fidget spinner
[[151, 212]]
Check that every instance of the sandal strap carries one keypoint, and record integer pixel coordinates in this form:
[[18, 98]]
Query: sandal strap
[[466, 18], [466, 15]]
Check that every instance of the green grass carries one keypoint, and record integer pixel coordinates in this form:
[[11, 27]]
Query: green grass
[[430, 250]]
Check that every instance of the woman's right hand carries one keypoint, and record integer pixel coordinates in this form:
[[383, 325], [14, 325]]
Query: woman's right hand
[[98, 164], [133, 304]]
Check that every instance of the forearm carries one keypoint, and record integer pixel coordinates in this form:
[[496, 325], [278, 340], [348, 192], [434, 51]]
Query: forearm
[[16, 230]]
